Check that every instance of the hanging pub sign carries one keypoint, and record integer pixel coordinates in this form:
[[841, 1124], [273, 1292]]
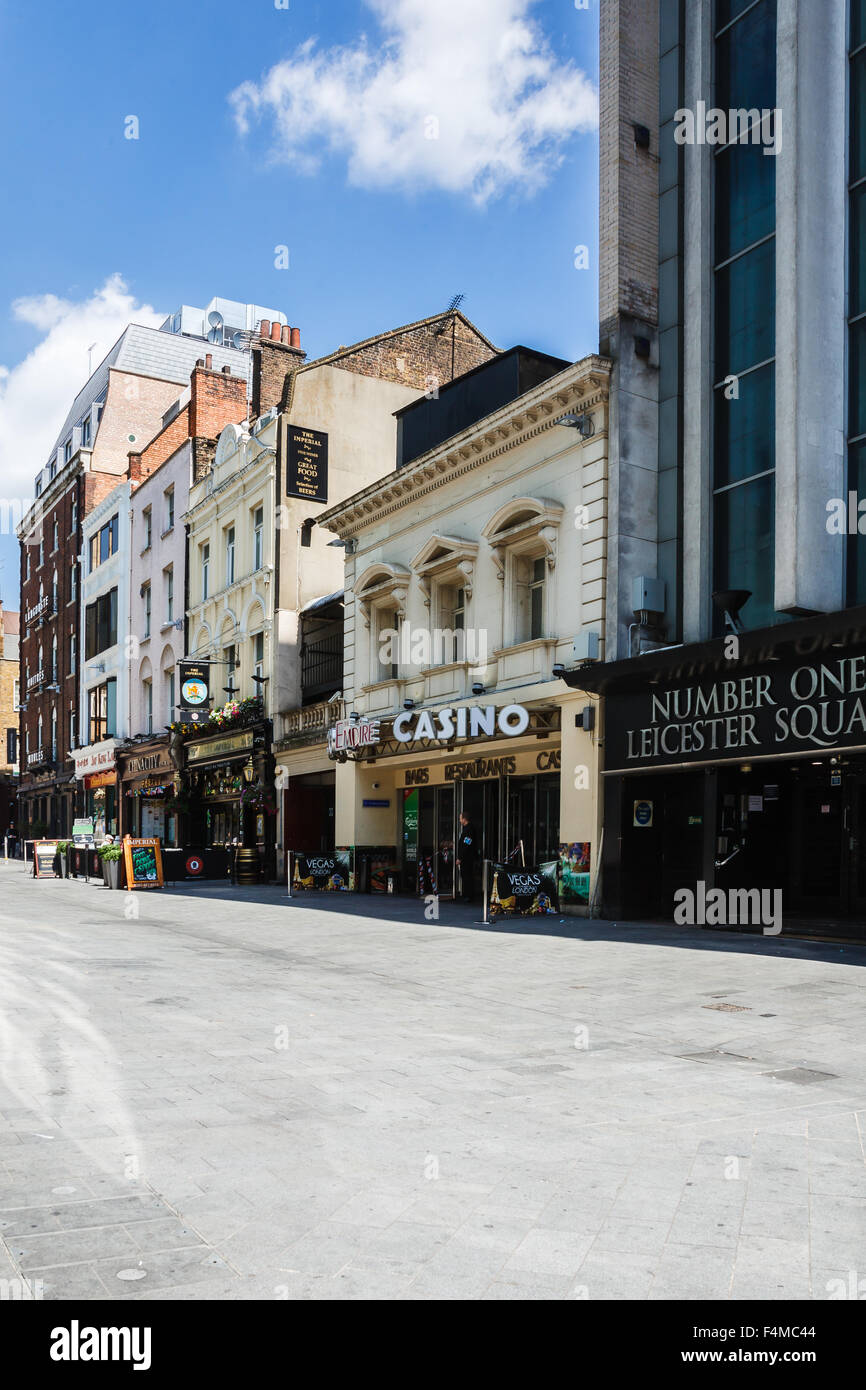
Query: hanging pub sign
[[195, 690], [44, 854], [143, 859], [306, 464], [523, 892], [328, 873]]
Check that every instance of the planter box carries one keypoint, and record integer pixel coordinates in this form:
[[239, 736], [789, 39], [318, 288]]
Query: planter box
[[111, 872], [64, 866]]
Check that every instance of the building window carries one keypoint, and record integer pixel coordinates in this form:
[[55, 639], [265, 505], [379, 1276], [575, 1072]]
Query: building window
[[230, 555], [147, 608], [54, 592], [74, 520], [258, 537], [452, 621], [744, 276], [56, 534], [12, 746], [39, 744], [100, 624], [54, 662], [67, 451], [529, 597], [73, 654], [169, 508], [16, 694], [205, 570], [857, 289], [259, 656], [169, 692], [230, 656], [73, 583], [72, 738], [54, 735], [148, 707], [104, 543], [102, 711], [169, 594], [41, 553], [27, 563], [147, 519], [85, 432]]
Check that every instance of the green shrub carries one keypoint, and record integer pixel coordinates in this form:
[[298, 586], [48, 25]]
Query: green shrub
[[110, 853]]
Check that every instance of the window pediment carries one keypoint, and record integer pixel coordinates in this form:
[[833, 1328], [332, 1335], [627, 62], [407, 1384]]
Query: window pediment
[[444, 559], [524, 524], [382, 586]]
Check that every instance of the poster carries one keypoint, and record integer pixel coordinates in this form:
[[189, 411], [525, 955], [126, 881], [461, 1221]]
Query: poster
[[324, 873], [44, 854], [574, 863], [525, 892], [143, 860]]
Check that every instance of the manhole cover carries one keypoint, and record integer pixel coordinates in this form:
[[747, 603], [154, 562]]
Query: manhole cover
[[130, 1274], [729, 1008]]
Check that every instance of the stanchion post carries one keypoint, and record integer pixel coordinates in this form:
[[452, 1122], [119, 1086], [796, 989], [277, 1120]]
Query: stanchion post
[[289, 872], [484, 875]]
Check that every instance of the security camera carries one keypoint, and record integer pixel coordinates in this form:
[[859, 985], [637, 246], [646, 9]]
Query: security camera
[[408, 704], [559, 670], [477, 688]]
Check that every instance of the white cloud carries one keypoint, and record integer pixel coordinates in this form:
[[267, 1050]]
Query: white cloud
[[36, 394], [505, 103]]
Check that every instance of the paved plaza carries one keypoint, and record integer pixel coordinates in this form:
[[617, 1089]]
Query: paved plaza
[[230, 1095]]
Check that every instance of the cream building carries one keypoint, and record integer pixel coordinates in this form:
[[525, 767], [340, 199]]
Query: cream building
[[472, 572]]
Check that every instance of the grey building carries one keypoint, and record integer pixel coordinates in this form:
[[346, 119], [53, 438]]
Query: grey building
[[734, 669]]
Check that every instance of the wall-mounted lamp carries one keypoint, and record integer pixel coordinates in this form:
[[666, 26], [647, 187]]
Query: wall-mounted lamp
[[583, 423]]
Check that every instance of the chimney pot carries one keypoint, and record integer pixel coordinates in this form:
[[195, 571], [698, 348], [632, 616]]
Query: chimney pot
[[226, 371], [275, 332], [208, 361], [199, 362], [296, 337], [285, 334], [265, 331]]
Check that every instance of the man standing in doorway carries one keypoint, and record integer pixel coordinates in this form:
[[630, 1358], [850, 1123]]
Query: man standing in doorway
[[467, 853]]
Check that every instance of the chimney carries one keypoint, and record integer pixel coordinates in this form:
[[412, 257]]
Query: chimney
[[208, 361], [276, 356], [216, 399]]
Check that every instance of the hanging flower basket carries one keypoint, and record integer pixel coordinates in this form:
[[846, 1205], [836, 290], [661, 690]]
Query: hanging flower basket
[[259, 798], [232, 714]]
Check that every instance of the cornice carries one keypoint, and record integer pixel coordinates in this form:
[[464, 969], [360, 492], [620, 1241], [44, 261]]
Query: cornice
[[514, 424]]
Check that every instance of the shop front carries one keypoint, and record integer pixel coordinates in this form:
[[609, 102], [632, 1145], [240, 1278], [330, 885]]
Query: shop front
[[149, 785], [97, 799], [501, 768], [229, 794], [740, 774]]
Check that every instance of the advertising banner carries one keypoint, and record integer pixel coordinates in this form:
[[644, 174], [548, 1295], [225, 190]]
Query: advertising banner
[[307, 464], [574, 862], [324, 873], [194, 685], [522, 892]]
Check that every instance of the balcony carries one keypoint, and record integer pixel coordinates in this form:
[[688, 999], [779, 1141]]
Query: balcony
[[311, 723]]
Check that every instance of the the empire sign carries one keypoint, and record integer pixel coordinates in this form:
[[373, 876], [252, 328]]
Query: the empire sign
[[813, 705]]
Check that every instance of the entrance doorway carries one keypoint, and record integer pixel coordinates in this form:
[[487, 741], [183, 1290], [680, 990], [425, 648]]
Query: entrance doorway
[[308, 813], [437, 834]]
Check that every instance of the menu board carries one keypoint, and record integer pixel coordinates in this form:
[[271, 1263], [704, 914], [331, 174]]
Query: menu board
[[307, 464], [143, 859], [44, 853]]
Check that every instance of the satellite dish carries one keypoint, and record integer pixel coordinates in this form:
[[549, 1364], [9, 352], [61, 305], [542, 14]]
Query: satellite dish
[[215, 335], [215, 318], [238, 339]]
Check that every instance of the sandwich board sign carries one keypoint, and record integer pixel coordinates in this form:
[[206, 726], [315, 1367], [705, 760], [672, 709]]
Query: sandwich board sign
[[143, 859], [44, 853]]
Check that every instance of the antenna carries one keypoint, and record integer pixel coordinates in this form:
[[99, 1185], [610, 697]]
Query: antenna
[[452, 309]]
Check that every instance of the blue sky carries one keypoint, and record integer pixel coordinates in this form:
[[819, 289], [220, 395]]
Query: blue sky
[[404, 152]]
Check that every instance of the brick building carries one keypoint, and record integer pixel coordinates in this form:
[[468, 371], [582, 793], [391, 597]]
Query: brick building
[[124, 403], [8, 719]]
